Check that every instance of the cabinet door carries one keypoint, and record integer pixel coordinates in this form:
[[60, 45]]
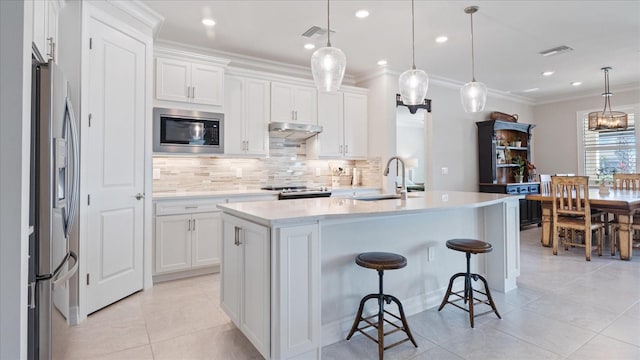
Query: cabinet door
[[305, 100], [356, 126], [52, 38], [256, 101], [40, 27], [256, 286], [330, 117], [234, 115], [172, 243], [205, 239], [173, 80], [231, 272], [207, 84], [281, 102]]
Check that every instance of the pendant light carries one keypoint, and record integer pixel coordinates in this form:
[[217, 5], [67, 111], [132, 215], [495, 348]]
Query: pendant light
[[473, 94], [607, 120], [413, 83], [328, 64]]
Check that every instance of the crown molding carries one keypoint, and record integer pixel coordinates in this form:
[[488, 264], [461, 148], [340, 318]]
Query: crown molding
[[247, 62], [585, 94], [141, 12], [170, 52]]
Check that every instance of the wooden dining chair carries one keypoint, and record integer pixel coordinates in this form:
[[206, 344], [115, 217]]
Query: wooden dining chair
[[571, 211], [625, 182]]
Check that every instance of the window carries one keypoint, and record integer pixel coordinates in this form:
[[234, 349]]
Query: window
[[608, 152]]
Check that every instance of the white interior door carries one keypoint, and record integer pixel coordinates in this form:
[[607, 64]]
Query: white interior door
[[116, 102]]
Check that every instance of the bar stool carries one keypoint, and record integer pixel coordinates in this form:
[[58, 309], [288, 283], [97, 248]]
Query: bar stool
[[469, 246], [381, 261]]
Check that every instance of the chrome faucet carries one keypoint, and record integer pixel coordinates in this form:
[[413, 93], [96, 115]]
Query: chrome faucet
[[403, 190]]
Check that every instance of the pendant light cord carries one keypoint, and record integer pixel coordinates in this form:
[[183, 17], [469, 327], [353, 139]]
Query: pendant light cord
[[473, 61], [328, 26], [413, 36]]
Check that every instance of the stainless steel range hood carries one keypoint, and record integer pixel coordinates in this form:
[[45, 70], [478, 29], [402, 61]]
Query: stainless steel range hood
[[293, 131]]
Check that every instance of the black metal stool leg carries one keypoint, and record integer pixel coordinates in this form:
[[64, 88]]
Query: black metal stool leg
[[468, 288], [403, 319], [380, 317], [358, 318]]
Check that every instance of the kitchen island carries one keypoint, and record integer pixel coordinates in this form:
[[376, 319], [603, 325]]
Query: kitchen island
[[289, 280]]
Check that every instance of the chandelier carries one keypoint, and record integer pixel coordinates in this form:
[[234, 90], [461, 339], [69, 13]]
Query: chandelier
[[328, 64], [607, 119]]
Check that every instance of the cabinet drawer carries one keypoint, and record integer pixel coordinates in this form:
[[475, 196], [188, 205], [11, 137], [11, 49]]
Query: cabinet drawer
[[187, 207]]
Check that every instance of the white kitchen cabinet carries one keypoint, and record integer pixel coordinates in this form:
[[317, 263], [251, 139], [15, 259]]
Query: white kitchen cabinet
[[343, 117], [293, 103], [187, 241], [246, 279], [246, 116], [185, 81], [45, 27]]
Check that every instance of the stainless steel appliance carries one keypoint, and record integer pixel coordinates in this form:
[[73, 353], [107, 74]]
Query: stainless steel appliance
[[187, 131], [54, 190], [293, 132], [288, 192]]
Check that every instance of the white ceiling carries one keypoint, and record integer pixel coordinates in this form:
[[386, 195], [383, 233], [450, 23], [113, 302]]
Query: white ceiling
[[508, 37]]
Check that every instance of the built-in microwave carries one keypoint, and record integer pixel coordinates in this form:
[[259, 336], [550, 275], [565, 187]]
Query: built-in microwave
[[187, 131]]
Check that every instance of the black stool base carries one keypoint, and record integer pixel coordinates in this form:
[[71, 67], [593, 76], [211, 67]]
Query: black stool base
[[469, 296], [379, 324]]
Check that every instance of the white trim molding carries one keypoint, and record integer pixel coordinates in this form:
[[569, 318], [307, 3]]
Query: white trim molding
[[141, 12]]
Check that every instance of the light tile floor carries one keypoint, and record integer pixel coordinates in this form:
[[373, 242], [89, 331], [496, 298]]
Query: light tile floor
[[564, 308]]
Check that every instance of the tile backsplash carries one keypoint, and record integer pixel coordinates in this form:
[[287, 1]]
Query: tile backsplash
[[285, 165]]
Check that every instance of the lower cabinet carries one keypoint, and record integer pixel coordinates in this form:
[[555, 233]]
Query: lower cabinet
[[187, 241], [245, 279], [530, 212]]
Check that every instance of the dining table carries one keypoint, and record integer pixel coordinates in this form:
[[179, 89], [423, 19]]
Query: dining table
[[623, 203]]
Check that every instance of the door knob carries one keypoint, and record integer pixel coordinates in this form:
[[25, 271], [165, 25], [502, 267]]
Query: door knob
[[139, 196]]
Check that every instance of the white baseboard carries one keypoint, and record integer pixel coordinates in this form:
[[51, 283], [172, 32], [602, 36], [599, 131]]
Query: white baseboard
[[186, 274]]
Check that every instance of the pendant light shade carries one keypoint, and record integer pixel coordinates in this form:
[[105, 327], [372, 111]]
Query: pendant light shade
[[473, 94], [328, 64], [413, 83], [607, 119]]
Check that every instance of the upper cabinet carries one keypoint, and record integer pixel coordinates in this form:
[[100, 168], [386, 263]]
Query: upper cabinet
[[246, 116], [293, 103], [343, 117], [45, 27], [184, 81]]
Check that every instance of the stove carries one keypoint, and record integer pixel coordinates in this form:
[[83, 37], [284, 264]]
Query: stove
[[289, 192]]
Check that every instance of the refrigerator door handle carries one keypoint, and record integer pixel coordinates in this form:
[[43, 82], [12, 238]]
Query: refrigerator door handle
[[58, 280], [75, 182]]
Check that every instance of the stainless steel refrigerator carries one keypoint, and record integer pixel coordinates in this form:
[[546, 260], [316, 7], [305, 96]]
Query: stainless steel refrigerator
[[54, 191]]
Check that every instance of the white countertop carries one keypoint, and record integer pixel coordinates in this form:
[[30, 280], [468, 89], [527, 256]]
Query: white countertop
[[279, 212]]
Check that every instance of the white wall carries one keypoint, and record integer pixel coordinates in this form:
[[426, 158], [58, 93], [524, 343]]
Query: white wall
[[15, 115], [556, 133], [450, 133]]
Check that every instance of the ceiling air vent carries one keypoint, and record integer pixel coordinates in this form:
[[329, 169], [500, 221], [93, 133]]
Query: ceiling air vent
[[315, 32], [556, 50]]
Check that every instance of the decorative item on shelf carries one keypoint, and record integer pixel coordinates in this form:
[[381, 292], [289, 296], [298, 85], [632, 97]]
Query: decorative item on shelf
[[497, 115], [531, 171], [500, 141], [516, 143], [507, 155], [328, 64], [500, 156], [607, 120], [519, 170], [473, 94], [413, 83]]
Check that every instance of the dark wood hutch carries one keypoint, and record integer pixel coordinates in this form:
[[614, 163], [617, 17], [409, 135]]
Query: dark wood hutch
[[499, 143]]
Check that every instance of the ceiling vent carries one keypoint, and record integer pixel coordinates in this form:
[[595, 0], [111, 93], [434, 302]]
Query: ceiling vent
[[556, 50], [316, 32]]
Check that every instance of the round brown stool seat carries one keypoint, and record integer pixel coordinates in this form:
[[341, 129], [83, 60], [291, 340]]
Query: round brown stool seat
[[469, 246], [381, 261]]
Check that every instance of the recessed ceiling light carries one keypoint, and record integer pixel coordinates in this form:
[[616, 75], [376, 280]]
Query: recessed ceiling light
[[382, 62], [208, 22], [361, 14], [576, 83], [548, 73], [441, 39], [531, 90], [309, 46]]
